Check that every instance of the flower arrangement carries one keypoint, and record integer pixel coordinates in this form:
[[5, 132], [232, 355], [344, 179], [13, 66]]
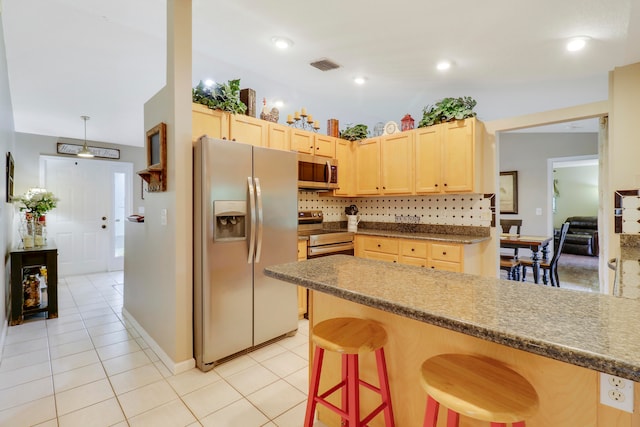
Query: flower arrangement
[[38, 201]]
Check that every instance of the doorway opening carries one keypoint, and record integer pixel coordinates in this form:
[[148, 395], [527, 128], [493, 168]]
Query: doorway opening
[[534, 152]]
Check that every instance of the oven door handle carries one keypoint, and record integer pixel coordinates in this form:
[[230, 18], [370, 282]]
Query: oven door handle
[[327, 249]]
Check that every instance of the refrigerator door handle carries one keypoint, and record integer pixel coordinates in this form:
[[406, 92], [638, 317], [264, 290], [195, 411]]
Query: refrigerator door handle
[[329, 172], [260, 220], [252, 223]]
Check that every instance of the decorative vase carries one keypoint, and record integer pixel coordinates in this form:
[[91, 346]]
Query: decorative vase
[[27, 231], [40, 231]]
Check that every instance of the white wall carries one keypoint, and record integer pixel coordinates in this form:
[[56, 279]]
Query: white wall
[[577, 192], [528, 153], [7, 144], [30, 147]]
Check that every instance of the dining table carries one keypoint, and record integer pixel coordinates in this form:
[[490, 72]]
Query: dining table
[[539, 246]]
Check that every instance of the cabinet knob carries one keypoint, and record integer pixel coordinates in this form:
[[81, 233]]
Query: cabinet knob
[[412, 249], [445, 184], [104, 226], [384, 188], [224, 137], [432, 267], [317, 148], [104, 218], [378, 245], [436, 185], [444, 253]]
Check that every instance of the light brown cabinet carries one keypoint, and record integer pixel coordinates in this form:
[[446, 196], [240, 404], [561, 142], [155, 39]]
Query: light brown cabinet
[[380, 248], [312, 143], [367, 167], [385, 165], [279, 137], [396, 163], [345, 154], [248, 130], [421, 253], [205, 121], [448, 157]]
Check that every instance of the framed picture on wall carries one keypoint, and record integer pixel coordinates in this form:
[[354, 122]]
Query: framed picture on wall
[[10, 169], [509, 192]]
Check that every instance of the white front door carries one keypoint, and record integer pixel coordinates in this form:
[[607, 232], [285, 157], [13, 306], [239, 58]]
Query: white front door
[[83, 225]]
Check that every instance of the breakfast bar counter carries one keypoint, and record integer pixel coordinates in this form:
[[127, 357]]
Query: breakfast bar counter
[[558, 339]]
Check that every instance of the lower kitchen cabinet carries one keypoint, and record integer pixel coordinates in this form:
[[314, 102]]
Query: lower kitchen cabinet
[[302, 292], [454, 257]]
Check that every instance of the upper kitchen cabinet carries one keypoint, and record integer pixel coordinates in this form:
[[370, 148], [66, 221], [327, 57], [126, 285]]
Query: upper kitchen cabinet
[[396, 163], [279, 136], [312, 143], [248, 130], [385, 165], [205, 121], [345, 154], [448, 157], [367, 167]]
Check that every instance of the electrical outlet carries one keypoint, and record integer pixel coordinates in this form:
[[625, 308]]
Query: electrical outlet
[[616, 392]]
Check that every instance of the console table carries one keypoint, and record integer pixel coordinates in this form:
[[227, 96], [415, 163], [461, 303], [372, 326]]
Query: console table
[[34, 282]]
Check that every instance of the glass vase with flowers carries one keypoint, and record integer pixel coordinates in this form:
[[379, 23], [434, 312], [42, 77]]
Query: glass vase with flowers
[[35, 203]]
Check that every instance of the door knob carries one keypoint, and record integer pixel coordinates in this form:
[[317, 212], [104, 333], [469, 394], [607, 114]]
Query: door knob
[[104, 218], [104, 226]]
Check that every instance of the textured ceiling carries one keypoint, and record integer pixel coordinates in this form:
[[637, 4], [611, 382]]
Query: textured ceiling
[[67, 58]]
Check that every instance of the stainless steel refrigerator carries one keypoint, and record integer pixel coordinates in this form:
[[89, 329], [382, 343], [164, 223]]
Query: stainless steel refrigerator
[[245, 218]]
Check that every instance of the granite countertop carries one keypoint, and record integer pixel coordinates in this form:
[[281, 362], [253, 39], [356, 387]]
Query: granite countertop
[[440, 237], [586, 329]]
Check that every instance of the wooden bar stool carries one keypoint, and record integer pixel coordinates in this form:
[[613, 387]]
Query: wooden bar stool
[[477, 387], [351, 337]]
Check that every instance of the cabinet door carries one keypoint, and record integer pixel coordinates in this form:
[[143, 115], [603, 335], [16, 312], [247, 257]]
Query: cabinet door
[[428, 158], [325, 146], [346, 176], [302, 141], [368, 166], [458, 156], [279, 137], [454, 267], [205, 121], [248, 130], [396, 153], [302, 250]]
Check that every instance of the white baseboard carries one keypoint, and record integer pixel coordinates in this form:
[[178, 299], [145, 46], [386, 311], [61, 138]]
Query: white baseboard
[[174, 367]]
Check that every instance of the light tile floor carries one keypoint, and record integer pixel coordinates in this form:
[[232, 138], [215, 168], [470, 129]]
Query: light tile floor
[[89, 367]]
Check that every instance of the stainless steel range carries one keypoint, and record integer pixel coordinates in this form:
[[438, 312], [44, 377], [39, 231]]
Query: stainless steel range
[[323, 242]]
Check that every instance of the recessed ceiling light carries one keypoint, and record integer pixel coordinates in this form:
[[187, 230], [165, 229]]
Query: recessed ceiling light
[[360, 80], [443, 65], [209, 82], [577, 43], [282, 42]]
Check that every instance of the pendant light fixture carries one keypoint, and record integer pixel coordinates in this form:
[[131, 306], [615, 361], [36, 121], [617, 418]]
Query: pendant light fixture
[[85, 149]]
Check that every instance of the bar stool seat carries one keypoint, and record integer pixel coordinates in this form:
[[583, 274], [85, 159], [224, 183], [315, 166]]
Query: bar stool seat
[[352, 338], [477, 387]]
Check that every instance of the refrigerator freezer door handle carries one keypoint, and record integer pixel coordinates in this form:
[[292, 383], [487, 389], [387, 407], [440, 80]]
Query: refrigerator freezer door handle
[[252, 224], [260, 220]]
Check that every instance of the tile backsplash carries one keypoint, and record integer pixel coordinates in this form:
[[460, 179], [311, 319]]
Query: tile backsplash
[[451, 209]]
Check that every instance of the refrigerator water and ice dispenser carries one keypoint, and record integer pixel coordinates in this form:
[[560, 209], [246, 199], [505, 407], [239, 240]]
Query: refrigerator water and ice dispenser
[[230, 220]]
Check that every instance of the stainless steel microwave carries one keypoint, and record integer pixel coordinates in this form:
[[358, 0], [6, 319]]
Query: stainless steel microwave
[[317, 173]]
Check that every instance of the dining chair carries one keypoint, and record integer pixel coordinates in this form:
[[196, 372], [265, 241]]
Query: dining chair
[[549, 268], [507, 225]]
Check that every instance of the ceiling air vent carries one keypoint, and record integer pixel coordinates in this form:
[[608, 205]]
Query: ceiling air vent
[[324, 64]]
